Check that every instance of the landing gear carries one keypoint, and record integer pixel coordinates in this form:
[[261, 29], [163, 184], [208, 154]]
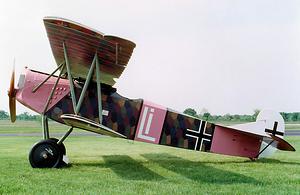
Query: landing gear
[[64, 162], [50, 152], [47, 154], [61, 146]]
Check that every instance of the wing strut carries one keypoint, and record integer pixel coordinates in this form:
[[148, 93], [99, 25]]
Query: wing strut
[[95, 62], [98, 89], [77, 106], [70, 78], [48, 77], [86, 84], [53, 89], [44, 117]]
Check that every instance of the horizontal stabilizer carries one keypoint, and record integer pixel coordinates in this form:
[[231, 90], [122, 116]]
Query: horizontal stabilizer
[[234, 142], [282, 144], [89, 125], [258, 129]]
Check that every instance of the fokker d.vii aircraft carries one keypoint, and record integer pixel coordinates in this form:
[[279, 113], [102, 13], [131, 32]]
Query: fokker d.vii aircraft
[[82, 96]]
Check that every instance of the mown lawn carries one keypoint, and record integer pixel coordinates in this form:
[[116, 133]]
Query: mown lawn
[[21, 127], [103, 165]]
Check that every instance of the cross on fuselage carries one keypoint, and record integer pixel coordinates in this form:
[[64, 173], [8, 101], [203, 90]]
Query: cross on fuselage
[[199, 134], [274, 130]]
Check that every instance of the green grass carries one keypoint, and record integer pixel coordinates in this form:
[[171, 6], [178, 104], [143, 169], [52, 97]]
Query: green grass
[[292, 126], [21, 127], [102, 165]]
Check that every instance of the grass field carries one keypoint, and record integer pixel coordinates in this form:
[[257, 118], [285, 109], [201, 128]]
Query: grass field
[[102, 165], [21, 127]]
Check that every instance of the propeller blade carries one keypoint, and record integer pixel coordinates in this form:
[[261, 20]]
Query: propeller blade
[[12, 97], [12, 109]]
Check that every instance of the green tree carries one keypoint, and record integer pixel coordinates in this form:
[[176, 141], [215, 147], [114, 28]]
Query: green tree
[[256, 112], [26, 116], [206, 116], [3, 115], [227, 117], [190, 111], [296, 116], [236, 117], [284, 116]]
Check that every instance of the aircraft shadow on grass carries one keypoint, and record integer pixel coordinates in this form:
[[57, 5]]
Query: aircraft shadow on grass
[[275, 161], [125, 167], [261, 160], [130, 169], [198, 171]]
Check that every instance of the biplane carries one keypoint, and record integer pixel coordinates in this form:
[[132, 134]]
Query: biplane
[[80, 93]]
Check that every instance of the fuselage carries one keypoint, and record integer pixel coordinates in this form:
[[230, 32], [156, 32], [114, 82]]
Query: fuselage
[[135, 119]]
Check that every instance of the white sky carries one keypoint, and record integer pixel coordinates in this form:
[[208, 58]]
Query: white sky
[[227, 56]]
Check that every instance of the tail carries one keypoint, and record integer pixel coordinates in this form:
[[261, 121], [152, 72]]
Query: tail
[[275, 128], [270, 126]]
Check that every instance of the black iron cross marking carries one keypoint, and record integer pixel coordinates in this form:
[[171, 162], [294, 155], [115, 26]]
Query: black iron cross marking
[[274, 130], [200, 134]]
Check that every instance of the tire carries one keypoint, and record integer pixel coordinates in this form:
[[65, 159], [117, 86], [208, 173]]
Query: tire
[[45, 154], [62, 149], [61, 146]]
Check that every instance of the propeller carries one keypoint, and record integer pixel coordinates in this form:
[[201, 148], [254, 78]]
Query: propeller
[[12, 97]]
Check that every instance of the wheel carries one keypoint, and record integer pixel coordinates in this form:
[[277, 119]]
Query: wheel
[[61, 146], [45, 154]]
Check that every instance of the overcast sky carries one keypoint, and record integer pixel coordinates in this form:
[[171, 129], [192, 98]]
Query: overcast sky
[[227, 56]]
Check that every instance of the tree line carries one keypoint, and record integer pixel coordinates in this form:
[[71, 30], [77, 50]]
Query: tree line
[[23, 116], [287, 116]]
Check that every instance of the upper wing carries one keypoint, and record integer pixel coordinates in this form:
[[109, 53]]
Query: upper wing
[[82, 43]]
